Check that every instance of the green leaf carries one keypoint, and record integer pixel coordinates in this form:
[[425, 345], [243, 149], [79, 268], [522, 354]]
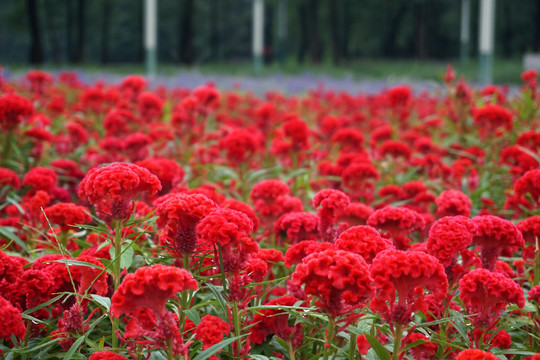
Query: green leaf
[[259, 357], [126, 256], [215, 348], [102, 300], [76, 262], [8, 233], [73, 348], [380, 350], [193, 315], [45, 304], [221, 300]]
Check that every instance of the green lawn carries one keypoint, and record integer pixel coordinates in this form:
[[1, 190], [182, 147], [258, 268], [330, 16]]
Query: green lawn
[[505, 70]]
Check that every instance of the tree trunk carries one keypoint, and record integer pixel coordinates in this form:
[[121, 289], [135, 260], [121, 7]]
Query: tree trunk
[[36, 45], [105, 30], [420, 10], [69, 31], [186, 32], [335, 25], [315, 45], [79, 49], [536, 44], [304, 28], [389, 39]]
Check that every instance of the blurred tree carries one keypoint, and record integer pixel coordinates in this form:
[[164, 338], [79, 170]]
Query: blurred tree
[[36, 45], [185, 31]]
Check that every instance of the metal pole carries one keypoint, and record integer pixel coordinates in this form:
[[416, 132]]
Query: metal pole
[[258, 34], [150, 36], [487, 29], [465, 30], [282, 31]]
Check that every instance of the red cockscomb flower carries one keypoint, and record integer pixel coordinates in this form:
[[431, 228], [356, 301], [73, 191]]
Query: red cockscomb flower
[[106, 355], [13, 110], [356, 214], [297, 252], [150, 106], [398, 95], [422, 351], [447, 238], [9, 178], [41, 178], [231, 229], [240, 145], [178, 216], [491, 118], [242, 207], [395, 149], [150, 287], [66, 215], [333, 203], [296, 226], [275, 321], [12, 322], [167, 171], [495, 234], [452, 203], [474, 354], [485, 294], [349, 139], [398, 222], [403, 272], [364, 241], [339, 279], [264, 195], [529, 183], [211, 330], [110, 188]]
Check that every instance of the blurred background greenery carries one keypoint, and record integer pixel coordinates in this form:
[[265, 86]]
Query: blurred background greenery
[[373, 38]]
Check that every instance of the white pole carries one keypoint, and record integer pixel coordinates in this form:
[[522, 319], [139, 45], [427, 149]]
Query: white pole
[[150, 36], [465, 29], [487, 37], [258, 33]]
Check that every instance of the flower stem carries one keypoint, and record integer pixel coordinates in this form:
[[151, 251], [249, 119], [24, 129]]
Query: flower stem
[[398, 332], [116, 270], [7, 148], [291, 350], [329, 337], [536, 278], [352, 346], [237, 329]]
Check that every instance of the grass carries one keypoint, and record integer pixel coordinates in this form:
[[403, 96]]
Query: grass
[[504, 70]]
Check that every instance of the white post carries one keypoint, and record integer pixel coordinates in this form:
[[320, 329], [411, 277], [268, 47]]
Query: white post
[[465, 30], [487, 37], [150, 36], [258, 34]]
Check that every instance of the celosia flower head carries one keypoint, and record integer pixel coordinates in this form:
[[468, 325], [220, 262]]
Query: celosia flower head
[[297, 226], [495, 234], [264, 195], [41, 178], [12, 322], [178, 216], [491, 118], [485, 294], [402, 272], [452, 203], [332, 204], [150, 287], [110, 188], [297, 252], [66, 215], [338, 279], [9, 178], [475, 354], [230, 229], [364, 241], [106, 355], [13, 110], [399, 222], [529, 183], [211, 330], [448, 237]]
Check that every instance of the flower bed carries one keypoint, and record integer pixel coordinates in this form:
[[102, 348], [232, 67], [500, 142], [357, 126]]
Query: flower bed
[[140, 223]]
